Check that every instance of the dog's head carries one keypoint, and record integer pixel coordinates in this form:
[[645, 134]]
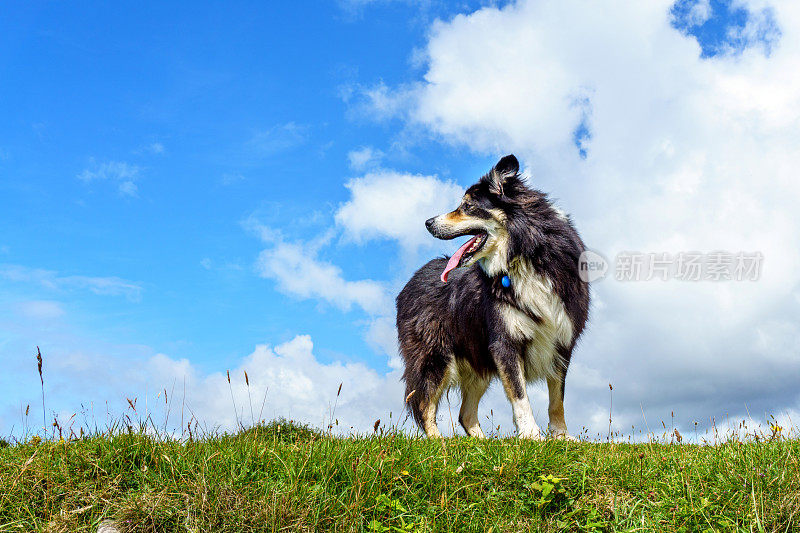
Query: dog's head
[[482, 214]]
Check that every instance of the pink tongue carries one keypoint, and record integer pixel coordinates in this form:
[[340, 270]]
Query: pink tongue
[[452, 263]]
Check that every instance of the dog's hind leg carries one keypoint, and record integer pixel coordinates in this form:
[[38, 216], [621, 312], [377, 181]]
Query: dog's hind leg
[[429, 407], [472, 389], [424, 388], [555, 389]]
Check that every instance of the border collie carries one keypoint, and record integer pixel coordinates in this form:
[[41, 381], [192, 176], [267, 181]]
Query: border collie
[[508, 303]]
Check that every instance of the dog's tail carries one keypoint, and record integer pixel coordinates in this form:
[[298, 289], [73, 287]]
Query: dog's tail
[[414, 403]]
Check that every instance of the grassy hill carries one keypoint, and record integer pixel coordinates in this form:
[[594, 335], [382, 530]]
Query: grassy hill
[[284, 477]]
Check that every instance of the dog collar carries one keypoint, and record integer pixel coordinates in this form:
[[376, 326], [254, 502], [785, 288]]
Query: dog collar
[[505, 280]]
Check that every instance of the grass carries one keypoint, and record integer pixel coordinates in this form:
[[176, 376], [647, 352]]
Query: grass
[[286, 477], [281, 477]]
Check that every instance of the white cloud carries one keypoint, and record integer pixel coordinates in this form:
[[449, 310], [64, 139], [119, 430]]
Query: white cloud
[[391, 205], [109, 285], [758, 31], [128, 188], [382, 335], [287, 380], [683, 153], [298, 271], [124, 174], [364, 158], [299, 387], [383, 102]]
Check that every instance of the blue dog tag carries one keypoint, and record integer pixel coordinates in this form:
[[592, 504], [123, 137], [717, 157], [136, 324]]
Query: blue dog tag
[[505, 281]]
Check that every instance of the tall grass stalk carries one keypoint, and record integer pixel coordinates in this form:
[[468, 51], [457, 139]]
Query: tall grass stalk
[[41, 379], [235, 410], [610, 406], [249, 398]]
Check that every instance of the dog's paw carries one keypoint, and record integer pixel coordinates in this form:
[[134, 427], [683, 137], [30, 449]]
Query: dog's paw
[[532, 434]]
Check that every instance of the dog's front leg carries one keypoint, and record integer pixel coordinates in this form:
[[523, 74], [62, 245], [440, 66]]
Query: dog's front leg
[[509, 365]]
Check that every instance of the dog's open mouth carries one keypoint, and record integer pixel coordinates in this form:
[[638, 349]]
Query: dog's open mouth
[[463, 254]]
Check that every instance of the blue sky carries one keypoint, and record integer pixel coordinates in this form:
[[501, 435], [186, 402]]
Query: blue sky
[[154, 157], [221, 114]]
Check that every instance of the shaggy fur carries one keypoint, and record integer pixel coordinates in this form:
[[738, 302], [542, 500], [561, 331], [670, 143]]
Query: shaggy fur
[[464, 332]]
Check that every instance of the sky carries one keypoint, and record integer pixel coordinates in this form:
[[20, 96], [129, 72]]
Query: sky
[[190, 192]]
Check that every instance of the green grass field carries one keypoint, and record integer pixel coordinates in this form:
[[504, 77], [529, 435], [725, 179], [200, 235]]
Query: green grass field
[[282, 477]]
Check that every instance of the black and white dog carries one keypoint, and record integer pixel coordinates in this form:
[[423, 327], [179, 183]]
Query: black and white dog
[[509, 302]]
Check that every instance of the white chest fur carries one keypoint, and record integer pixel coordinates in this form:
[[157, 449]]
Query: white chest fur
[[535, 293]]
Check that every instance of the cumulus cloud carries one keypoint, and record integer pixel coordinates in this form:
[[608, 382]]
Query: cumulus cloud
[[119, 172], [90, 387], [293, 384], [679, 152], [286, 381], [392, 205], [383, 204], [297, 270], [382, 335]]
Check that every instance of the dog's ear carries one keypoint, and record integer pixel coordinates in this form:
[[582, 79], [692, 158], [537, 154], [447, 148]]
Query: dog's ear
[[506, 168]]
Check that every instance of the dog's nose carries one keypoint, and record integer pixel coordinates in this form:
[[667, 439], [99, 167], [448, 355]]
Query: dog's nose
[[429, 223]]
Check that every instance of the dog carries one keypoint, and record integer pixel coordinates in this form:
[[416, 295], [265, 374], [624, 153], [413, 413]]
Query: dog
[[509, 303]]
